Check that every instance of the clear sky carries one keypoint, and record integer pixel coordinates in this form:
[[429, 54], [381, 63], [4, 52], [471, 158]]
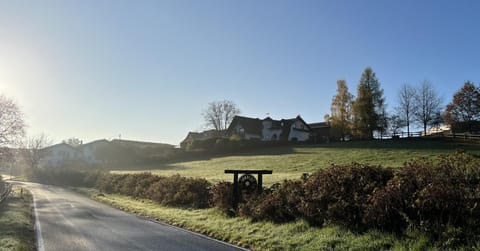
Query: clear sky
[[146, 69]]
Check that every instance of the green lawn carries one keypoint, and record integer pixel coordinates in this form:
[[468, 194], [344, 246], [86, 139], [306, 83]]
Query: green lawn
[[292, 162], [287, 163], [16, 222]]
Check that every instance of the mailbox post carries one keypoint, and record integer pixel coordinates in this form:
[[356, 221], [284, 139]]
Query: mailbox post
[[247, 182]]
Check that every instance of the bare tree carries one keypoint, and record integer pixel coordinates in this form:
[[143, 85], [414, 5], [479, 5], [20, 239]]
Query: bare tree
[[219, 114], [405, 108], [33, 149], [73, 142], [12, 126], [427, 105], [395, 124]]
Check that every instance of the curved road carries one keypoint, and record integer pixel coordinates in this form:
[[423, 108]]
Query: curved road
[[69, 221]]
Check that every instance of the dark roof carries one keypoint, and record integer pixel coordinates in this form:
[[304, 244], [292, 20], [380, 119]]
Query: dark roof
[[255, 126], [319, 125], [286, 125], [250, 125], [60, 144], [300, 118], [140, 144], [95, 142], [205, 135]]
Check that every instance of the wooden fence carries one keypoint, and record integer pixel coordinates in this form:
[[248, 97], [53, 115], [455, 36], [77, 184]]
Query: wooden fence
[[400, 135], [469, 136]]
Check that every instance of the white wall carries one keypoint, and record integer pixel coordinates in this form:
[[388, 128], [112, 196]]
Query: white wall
[[299, 135], [58, 154], [89, 152], [268, 133]]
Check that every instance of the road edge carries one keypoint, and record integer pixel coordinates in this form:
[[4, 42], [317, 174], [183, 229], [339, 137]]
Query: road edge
[[188, 231], [38, 228], [163, 223]]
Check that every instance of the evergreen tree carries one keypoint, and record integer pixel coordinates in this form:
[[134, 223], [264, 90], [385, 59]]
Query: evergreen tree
[[341, 111], [369, 106]]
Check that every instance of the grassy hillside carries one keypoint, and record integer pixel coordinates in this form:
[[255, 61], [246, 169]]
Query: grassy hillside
[[291, 162]]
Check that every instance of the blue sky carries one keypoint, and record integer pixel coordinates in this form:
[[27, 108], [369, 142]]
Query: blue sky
[[147, 69]]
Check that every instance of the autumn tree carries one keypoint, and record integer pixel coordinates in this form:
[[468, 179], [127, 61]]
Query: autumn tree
[[219, 114], [464, 110], [368, 106], [427, 105], [405, 108], [341, 111]]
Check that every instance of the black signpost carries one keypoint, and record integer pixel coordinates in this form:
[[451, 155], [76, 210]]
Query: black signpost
[[246, 182]]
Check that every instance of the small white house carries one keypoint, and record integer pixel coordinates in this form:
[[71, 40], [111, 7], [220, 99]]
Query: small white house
[[58, 154]]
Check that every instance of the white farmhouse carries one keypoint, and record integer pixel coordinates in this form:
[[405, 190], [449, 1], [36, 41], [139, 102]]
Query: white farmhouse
[[268, 129], [58, 154]]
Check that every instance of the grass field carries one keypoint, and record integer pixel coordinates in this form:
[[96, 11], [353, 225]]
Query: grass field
[[292, 162], [264, 235], [287, 163], [16, 222]]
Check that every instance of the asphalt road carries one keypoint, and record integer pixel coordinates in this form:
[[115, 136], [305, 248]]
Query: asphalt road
[[70, 221]]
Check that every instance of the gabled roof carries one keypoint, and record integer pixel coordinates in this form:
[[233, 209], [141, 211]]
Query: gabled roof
[[95, 142], [140, 144], [250, 125], [287, 126], [205, 135], [255, 126], [60, 145], [303, 121]]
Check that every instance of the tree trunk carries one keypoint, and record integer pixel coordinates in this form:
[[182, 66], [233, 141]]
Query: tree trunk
[[408, 129]]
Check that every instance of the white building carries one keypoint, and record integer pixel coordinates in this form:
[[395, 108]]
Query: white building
[[58, 154], [295, 129], [89, 151]]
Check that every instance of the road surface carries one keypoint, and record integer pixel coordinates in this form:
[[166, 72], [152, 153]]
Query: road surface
[[69, 221]]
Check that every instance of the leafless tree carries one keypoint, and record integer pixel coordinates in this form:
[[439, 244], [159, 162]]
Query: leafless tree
[[405, 108], [33, 149], [427, 105], [395, 124], [12, 126], [219, 114], [73, 142]]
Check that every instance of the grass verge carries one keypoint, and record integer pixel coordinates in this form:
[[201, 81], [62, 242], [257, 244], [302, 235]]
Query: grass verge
[[261, 235], [16, 222]]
